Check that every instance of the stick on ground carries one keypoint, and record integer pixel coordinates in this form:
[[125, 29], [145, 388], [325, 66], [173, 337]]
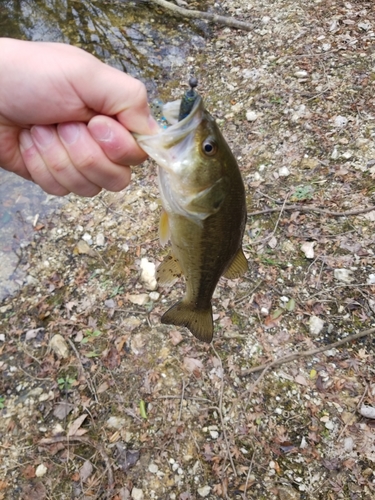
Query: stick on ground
[[311, 352], [207, 16]]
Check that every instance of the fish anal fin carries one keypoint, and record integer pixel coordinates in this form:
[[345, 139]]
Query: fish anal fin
[[238, 266], [168, 272], [198, 321], [164, 231]]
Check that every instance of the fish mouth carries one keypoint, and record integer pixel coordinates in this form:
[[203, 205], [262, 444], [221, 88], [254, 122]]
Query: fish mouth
[[172, 145]]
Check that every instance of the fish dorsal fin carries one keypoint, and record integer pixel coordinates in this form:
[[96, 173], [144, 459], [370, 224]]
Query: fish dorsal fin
[[199, 321], [168, 272], [164, 230], [238, 266]]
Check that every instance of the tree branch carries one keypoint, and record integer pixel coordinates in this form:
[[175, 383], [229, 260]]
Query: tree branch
[[197, 14], [312, 208], [311, 352]]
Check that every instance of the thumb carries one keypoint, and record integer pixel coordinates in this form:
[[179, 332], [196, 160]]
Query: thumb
[[113, 93]]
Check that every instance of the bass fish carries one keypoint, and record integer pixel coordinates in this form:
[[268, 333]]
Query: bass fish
[[204, 216]]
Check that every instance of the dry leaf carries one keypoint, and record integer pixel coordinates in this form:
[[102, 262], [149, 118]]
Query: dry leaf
[[59, 346], [76, 424], [300, 379], [176, 337], [62, 410], [192, 364], [86, 471]]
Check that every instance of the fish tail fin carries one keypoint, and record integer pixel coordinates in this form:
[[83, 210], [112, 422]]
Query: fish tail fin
[[198, 321]]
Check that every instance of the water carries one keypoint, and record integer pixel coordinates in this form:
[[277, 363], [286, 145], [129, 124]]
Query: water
[[130, 35]]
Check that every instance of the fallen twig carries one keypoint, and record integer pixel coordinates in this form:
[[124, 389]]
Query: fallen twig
[[312, 208], [311, 352], [93, 444], [208, 16], [83, 371], [220, 411]]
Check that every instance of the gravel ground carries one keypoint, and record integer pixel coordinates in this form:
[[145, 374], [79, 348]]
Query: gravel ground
[[99, 400]]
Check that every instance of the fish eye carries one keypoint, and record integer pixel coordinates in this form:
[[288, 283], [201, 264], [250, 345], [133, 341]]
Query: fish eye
[[209, 147]]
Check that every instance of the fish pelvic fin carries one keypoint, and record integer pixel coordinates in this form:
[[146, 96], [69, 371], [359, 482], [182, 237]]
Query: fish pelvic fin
[[168, 272], [198, 321], [164, 230], [238, 266]]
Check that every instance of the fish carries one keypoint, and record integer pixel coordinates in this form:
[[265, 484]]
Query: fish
[[204, 210]]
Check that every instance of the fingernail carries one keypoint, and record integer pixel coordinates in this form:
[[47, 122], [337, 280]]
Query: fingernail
[[42, 135], [153, 124], [101, 132], [69, 132], [26, 141]]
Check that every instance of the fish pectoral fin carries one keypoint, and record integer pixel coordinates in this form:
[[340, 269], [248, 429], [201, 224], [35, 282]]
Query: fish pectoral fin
[[198, 321], [209, 200], [238, 266], [164, 230], [168, 272]]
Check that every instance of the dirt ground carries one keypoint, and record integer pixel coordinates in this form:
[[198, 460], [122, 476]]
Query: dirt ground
[[99, 400]]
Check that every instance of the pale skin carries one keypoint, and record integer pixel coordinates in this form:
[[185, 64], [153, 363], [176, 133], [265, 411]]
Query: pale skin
[[66, 118]]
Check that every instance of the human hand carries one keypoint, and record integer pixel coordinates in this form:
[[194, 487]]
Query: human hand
[[66, 118]]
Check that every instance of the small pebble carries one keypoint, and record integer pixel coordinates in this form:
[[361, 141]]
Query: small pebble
[[368, 411], [40, 470], [284, 172], [140, 299], [100, 240], [329, 425], [87, 237], [153, 468], [344, 275], [301, 74], [154, 295], [137, 494], [204, 491], [340, 121], [315, 325], [348, 444], [251, 116]]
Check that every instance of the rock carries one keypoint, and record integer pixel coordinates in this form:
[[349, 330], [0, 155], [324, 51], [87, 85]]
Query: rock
[[153, 468], [316, 325], [204, 491], [87, 237], [335, 153], [348, 444], [368, 411], [308, 249], [115, 423], [139, 299], [284, 172], [154, 295], [344, 275], [100, 240], [40, 470], [148, 270], [251, 116], [59, 346], [347, 155], [137, 494], [340, 121], [301, 74], [371, 279]]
